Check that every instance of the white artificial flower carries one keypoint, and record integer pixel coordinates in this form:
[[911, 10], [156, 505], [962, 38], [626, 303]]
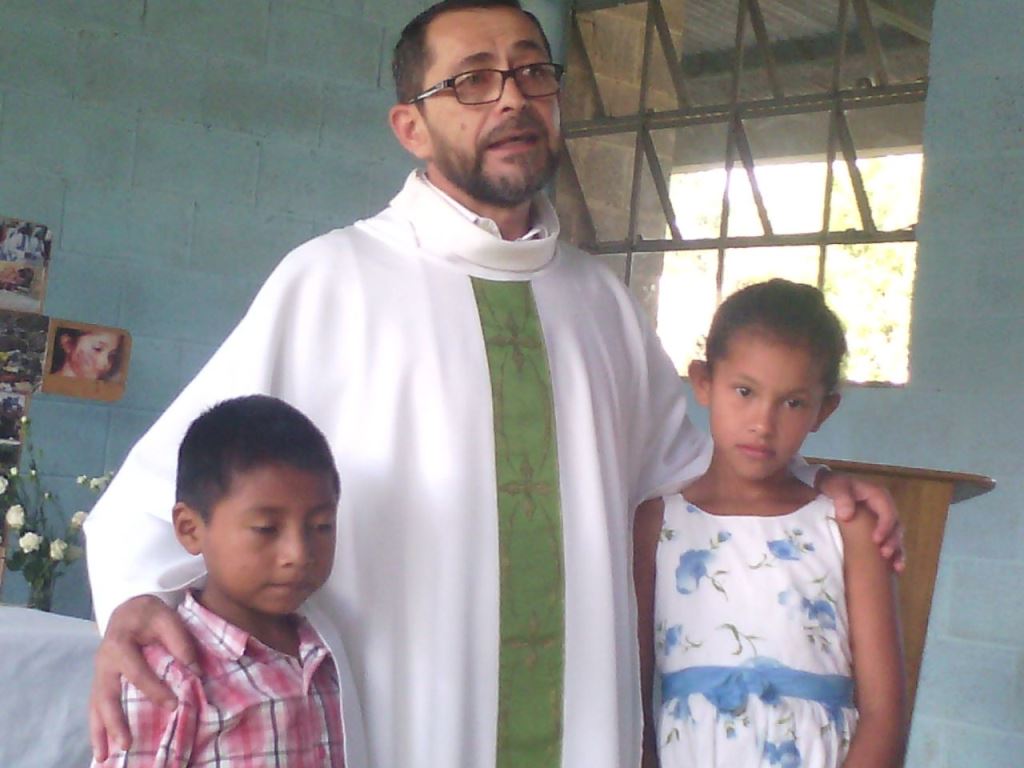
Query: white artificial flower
[[100, 482], [82, 479], [16, 516], [58, 547], [14, 471], [30, 542], [78, 519], [3, 484], [32, 473]]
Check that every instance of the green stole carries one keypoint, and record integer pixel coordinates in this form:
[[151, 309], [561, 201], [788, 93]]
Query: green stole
[[532, 581]]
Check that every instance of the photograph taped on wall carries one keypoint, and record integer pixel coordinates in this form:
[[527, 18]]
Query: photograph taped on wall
[[85, 360], [24, 262], [22, 351], [12, 408]]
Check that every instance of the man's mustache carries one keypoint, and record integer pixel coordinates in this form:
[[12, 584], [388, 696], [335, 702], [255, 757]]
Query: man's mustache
[[524, 122]]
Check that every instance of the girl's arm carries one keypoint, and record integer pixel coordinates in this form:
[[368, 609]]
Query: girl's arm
[[646, 531], [877, 649]]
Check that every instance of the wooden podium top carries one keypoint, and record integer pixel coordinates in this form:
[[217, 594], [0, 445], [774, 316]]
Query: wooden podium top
[[965, 485]]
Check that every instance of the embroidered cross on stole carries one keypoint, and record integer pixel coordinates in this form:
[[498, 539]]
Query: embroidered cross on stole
[[532, 580]]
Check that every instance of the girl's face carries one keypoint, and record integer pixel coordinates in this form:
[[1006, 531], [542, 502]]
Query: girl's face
[[92, 356], [763, 397]]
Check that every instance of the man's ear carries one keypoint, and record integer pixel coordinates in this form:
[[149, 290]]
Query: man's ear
[[410, 129], [700, 380], [828, 407], [189, 527]]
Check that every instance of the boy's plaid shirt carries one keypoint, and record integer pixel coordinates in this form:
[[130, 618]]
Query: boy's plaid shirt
[[252, 706]]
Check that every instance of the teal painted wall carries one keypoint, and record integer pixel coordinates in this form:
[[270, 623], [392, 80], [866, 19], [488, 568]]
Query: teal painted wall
[[963, 407], [179, 148]]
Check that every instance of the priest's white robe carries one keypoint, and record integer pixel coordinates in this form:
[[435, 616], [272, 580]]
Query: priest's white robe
[[372, 330]]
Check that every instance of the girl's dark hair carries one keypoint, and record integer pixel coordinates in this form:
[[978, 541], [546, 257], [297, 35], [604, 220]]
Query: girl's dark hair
[[411, 57], [793, 313], [242, 434]]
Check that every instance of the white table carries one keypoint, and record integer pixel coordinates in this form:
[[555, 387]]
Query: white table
[[46, 663]]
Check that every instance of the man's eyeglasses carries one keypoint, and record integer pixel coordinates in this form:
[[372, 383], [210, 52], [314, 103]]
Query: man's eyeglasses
[[484, 86]]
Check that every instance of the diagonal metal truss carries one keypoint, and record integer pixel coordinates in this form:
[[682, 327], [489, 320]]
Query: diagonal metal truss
[[736, 115], [577, 44], [674, 62]]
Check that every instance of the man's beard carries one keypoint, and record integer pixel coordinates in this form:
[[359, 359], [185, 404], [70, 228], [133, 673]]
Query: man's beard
[[503, 191]]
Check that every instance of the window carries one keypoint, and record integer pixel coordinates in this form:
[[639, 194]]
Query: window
[[714, 143]]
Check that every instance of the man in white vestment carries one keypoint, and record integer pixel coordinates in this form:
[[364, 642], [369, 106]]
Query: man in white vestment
[[497, 404]]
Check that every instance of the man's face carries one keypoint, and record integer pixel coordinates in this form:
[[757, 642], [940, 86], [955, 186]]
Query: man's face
[[497, 154]]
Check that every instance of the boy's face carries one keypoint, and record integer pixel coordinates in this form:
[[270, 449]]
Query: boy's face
[[268, 545]]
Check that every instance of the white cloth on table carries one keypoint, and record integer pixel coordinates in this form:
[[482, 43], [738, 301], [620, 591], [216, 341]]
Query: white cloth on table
[[46, 664]]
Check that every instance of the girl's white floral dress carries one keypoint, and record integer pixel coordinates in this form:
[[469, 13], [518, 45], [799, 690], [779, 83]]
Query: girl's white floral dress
[[752, 641]]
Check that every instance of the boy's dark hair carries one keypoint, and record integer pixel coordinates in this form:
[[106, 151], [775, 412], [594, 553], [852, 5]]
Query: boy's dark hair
[[793, 313], [241, 434], [411, 57]]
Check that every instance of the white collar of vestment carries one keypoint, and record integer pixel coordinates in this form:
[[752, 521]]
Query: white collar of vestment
[[439, 225], [537, 231]]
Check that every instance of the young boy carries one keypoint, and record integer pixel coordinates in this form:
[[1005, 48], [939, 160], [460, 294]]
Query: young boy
[[257, 496]]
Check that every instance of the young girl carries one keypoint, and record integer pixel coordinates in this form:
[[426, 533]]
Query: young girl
[[770, 629]]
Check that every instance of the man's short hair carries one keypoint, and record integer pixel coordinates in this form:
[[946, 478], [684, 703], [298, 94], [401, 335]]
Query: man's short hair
[[242, 434], [411, 57]]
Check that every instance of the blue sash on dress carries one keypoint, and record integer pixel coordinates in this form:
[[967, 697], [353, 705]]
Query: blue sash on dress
[[727, 688]]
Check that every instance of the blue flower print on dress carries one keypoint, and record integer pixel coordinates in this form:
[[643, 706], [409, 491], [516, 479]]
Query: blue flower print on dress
[[668, 640], [784, 754], [820, 612], [784, 549], [817, 614], [792, 547], [730, 695], [673, 636], [693, 566], [797, 533]]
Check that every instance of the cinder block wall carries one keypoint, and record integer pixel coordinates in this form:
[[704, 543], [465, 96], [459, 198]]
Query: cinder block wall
[[178, 149], [963, 407]]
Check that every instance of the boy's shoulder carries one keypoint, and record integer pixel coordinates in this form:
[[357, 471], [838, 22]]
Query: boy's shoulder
[[184, 682], [219, 647], [209, 651]]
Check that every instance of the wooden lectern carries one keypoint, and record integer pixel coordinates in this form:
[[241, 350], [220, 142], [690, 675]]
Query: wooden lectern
[[923, 497]]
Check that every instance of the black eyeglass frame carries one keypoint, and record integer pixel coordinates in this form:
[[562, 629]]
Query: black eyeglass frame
[[449, 83]]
